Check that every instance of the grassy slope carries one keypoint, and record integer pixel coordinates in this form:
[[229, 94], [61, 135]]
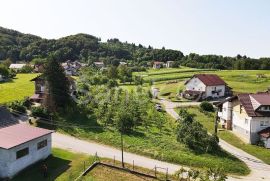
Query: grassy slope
[[17, 88], [65, 166], [153, 143], [239, 80], [208, 122]]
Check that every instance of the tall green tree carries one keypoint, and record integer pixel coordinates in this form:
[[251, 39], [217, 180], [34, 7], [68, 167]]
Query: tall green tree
[[58, 95]]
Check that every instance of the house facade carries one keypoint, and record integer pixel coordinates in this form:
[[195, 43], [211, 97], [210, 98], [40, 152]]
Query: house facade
[[158, 65], [21, 145], [205, 86], [247, 115], [169, 64], [41, 88]]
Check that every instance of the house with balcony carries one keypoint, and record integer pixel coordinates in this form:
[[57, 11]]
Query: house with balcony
[[206, 86], [248, 116], [41, 88]]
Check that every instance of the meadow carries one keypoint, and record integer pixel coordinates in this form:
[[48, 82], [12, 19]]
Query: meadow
[[170, 81], [17, 88], [152, 142]]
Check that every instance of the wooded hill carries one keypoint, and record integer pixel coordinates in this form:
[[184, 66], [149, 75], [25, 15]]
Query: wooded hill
[[17, 46]]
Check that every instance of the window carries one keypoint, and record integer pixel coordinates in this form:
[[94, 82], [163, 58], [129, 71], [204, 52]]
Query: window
[[41, 144], [264, 123], [22, 153], [246, 121]]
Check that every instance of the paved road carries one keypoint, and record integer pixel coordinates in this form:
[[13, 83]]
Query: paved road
[[259, 170], [76, 145]]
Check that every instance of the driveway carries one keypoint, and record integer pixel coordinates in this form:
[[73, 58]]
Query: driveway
[[259, 169]]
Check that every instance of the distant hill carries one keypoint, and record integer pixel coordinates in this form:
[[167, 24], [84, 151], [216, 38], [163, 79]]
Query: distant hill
[[17, 46]]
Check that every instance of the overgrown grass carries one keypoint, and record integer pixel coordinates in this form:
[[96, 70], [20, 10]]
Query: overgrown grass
[[17, 88], [152, 143], [228, 136]]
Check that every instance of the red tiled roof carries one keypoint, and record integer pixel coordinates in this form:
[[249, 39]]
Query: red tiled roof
[[246, 103], [265, 132], [20, 133], [158, 62], [209, 79]]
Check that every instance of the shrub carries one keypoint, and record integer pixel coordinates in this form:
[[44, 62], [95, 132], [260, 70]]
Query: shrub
[[206, 106], [40, 112], [193, 135], [26, 103], [18, 106], [27, 69]]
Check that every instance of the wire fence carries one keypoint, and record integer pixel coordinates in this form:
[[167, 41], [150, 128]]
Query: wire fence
[[158, 173]]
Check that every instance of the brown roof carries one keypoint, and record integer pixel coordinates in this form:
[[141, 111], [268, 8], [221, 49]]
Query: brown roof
[[265, 132], [247, 104], [209, 79], [20, 133], [157, 62], [262, 98]]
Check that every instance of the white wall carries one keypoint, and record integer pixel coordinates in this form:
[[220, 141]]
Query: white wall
[[10, 166], [209, 90], [195, 84], [241, 126]]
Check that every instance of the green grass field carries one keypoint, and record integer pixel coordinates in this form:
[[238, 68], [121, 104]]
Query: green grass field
[[67, 166], [153, 143], [240, 80], [17, 89], [228, 136]]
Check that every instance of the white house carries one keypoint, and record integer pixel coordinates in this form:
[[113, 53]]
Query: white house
[[16, 66], [205, 86], [99, 65], [248, 116], [21, 145], [169, 64], [157, 65], [1, 78]]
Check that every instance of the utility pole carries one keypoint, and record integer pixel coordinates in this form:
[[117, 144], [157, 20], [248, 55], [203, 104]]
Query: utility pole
[[216, 122], [122, 149]]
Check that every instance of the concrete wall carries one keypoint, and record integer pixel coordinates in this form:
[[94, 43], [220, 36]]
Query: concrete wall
[[10, 166]]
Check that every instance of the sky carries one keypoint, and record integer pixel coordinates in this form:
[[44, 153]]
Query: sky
[[223, 27]]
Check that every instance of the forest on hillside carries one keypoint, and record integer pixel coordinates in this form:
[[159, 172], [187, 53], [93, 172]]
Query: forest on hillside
[[17, 46]]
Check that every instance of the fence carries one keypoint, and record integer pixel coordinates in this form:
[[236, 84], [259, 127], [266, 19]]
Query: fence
[[153, 173]]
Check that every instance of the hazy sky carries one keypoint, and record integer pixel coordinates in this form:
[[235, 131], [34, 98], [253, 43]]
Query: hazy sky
[[225, 27]]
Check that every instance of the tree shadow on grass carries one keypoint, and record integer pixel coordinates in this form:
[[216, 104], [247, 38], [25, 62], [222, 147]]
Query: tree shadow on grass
[[56, 167]]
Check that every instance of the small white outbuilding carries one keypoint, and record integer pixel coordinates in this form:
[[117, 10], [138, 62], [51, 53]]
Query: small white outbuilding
[[22, 145]]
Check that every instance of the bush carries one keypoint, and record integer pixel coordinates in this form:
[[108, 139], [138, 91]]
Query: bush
[[26, 103], [193, 135], [18, 106], [40, 112], [27, 69], [206, 106]]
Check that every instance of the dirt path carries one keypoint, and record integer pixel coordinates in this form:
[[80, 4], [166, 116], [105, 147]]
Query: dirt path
[[259, 170]]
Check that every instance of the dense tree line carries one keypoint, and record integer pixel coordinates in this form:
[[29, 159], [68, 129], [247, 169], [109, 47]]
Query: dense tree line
[[17, 46]]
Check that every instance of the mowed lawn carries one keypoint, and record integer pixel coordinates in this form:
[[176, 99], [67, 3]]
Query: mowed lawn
[[67, 166], [17, 89], [208, 122]]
